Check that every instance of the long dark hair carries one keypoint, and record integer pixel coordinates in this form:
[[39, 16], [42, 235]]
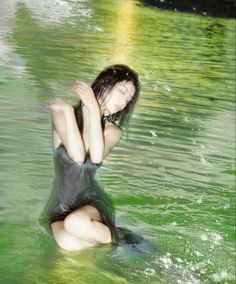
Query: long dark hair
[[106, 80]]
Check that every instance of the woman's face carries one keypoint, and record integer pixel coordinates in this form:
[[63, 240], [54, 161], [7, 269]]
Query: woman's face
[[118, 97]]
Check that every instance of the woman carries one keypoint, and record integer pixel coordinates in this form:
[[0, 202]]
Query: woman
[[79, 212]]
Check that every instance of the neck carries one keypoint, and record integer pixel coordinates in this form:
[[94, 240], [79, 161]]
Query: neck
[[103, 111]]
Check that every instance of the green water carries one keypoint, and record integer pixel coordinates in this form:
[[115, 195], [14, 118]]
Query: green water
[[173, 180]]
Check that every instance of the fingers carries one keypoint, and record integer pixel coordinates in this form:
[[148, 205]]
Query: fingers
[[56, 104], [81, 83], [54, 107], [81, 87], [78, 88], [56, 101]]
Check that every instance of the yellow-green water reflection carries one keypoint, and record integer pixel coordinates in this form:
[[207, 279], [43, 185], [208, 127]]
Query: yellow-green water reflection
[[173, 180]]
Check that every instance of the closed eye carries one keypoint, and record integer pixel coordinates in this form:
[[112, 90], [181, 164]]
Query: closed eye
[[124, 92]]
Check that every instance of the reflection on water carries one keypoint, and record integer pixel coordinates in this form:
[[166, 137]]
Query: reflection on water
[[172, 181]]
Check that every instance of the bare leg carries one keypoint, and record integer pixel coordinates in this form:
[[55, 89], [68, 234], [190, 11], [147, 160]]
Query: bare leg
[[67, 241], [84, 224]]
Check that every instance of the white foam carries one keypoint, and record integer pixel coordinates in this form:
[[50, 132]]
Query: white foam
[[149, 271], [166, 261], [220, 276], [204, 237]]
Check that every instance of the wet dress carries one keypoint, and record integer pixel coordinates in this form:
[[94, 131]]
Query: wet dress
[[74, 186]]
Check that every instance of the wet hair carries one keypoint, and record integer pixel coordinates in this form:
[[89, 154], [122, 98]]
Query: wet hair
[[106, 81]]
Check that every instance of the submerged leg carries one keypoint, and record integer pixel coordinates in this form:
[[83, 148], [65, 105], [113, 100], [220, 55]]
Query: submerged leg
[[65, 240], [84, 223]]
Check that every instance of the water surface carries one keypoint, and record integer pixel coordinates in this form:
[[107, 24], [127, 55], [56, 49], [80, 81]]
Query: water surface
[[172, 180]]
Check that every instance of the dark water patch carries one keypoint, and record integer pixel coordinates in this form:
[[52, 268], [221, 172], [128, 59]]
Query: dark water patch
[[214, 8]]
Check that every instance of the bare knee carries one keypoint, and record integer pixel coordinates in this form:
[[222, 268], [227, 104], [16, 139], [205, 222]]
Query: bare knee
[[66, 242], [78, 223], [92, 212], [63, 239]]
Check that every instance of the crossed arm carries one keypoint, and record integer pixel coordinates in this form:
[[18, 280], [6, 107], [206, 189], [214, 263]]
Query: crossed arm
[[66, 131]]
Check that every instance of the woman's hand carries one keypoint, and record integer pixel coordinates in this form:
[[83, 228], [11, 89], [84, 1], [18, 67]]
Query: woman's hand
[[86, 94], [59, 104]]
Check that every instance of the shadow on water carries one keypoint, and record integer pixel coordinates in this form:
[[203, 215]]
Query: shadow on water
[[213, 8]]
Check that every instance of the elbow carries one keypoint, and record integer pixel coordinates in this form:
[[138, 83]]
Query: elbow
[[96, 161], [78, 158], [79, 161]]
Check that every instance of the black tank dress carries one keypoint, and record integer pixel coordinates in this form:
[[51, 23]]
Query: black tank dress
[[75, 186]]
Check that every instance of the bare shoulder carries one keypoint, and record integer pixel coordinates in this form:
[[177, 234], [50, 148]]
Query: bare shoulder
[[113, 131], [112, 135]]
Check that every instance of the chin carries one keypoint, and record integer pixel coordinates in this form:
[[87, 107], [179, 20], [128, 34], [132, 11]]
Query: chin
[[117, 111]]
